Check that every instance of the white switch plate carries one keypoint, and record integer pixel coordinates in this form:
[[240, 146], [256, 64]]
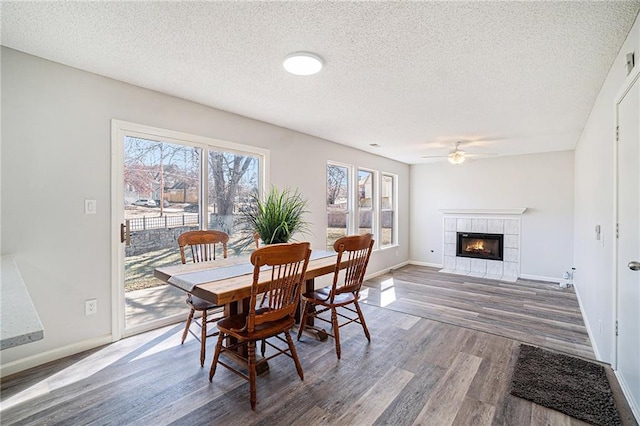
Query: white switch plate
[[89, 206]]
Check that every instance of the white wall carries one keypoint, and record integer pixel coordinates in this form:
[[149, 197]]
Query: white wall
[[543, 183], [594, 204], [56, 151]]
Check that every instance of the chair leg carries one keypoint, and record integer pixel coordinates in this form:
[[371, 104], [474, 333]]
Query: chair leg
[[294, 354], [252, 373], [203, 338], [336, 330], [186, 327], [214, 363], [303, 318], [364, 324], [263, 347]]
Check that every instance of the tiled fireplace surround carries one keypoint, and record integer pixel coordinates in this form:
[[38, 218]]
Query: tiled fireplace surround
[[506, 223]]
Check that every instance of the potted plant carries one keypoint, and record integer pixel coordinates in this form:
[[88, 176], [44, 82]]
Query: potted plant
[[278, 216]]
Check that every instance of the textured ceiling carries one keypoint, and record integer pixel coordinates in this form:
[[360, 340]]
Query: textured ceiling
[[413, 77]]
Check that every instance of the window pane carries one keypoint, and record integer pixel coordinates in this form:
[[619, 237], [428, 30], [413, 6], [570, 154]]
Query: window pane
[[233, 178], [387, 206], [337, 203], [161, 181], [365, 202]]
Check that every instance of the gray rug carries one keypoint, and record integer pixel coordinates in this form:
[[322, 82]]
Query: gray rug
[[570, 385]]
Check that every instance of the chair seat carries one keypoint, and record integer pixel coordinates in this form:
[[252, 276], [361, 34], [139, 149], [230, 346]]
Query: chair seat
[[232, 324], [199, 304], [321, 297]]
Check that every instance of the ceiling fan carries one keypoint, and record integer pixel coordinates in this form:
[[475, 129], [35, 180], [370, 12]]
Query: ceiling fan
[[458, 156]]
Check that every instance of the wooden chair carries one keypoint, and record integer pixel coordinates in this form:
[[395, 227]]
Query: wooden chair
[[357, 250], [282, 280], [200, 246]]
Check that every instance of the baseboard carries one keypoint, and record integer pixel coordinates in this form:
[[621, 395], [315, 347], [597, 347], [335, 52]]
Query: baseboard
[[541, 278], [587, 325], [52, 355], [633, 404], [432, 265], [385, 271]]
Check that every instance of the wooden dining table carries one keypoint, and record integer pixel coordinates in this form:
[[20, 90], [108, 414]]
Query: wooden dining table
[[227, 282]]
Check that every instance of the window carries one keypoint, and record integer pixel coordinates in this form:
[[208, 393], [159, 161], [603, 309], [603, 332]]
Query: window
[[338, 203], [363, 204], [172, 177], [387, 210], [366, 202], [167, 183], [233, 179]]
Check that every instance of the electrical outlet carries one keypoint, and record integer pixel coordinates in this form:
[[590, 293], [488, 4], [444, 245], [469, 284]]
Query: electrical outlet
[[90, 307]]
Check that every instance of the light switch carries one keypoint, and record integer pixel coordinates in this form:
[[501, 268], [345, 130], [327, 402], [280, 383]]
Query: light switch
[[89, 206]]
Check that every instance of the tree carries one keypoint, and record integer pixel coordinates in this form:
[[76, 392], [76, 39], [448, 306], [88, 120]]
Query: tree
[[227, 170], [336, 180]]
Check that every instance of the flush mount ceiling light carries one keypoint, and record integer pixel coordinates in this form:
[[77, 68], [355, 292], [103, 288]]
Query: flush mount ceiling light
[[302, 63]]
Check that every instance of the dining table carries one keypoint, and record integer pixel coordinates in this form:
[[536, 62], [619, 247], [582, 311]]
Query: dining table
[[227, 281]]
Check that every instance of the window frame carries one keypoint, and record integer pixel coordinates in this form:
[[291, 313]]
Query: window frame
[[375, 177], [394, 208], [350, 219]]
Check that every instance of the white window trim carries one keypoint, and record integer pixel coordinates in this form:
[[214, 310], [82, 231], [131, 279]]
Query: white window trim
[[394, 240], [351, 189], [375, 226]]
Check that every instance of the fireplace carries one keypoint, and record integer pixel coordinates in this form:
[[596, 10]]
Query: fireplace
[[480, 246]]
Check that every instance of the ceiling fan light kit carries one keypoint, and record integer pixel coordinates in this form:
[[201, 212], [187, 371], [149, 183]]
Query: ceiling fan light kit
[[457, 157]]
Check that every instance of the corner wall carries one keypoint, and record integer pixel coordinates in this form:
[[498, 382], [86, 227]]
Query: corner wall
[[594, 205]]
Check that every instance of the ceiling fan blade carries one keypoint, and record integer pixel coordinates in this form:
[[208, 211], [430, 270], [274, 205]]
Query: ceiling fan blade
[[434, 156], [481, 154]]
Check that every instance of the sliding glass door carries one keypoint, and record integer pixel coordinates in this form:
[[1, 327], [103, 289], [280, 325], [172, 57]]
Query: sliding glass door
[[171, 185]]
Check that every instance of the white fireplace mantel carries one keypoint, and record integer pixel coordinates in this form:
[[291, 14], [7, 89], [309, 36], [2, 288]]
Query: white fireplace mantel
[[516, 211]]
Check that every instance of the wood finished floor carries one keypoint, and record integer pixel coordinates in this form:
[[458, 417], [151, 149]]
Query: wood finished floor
[[534, 312], [414, 371]]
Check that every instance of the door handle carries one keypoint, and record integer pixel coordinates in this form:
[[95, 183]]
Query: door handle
[[125, 235], [634, 266]]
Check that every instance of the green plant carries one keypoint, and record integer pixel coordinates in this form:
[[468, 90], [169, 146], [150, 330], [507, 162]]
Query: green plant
[[278, 216]]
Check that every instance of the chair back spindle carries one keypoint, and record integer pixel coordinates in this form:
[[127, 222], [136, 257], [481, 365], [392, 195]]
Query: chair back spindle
[[285, 270], [357, 250], [202, 245]]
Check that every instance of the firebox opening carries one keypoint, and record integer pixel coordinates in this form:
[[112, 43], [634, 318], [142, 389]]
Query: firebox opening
[[480, 246]]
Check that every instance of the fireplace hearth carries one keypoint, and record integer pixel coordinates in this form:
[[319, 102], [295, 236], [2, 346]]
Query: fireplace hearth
[[480, 246]]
